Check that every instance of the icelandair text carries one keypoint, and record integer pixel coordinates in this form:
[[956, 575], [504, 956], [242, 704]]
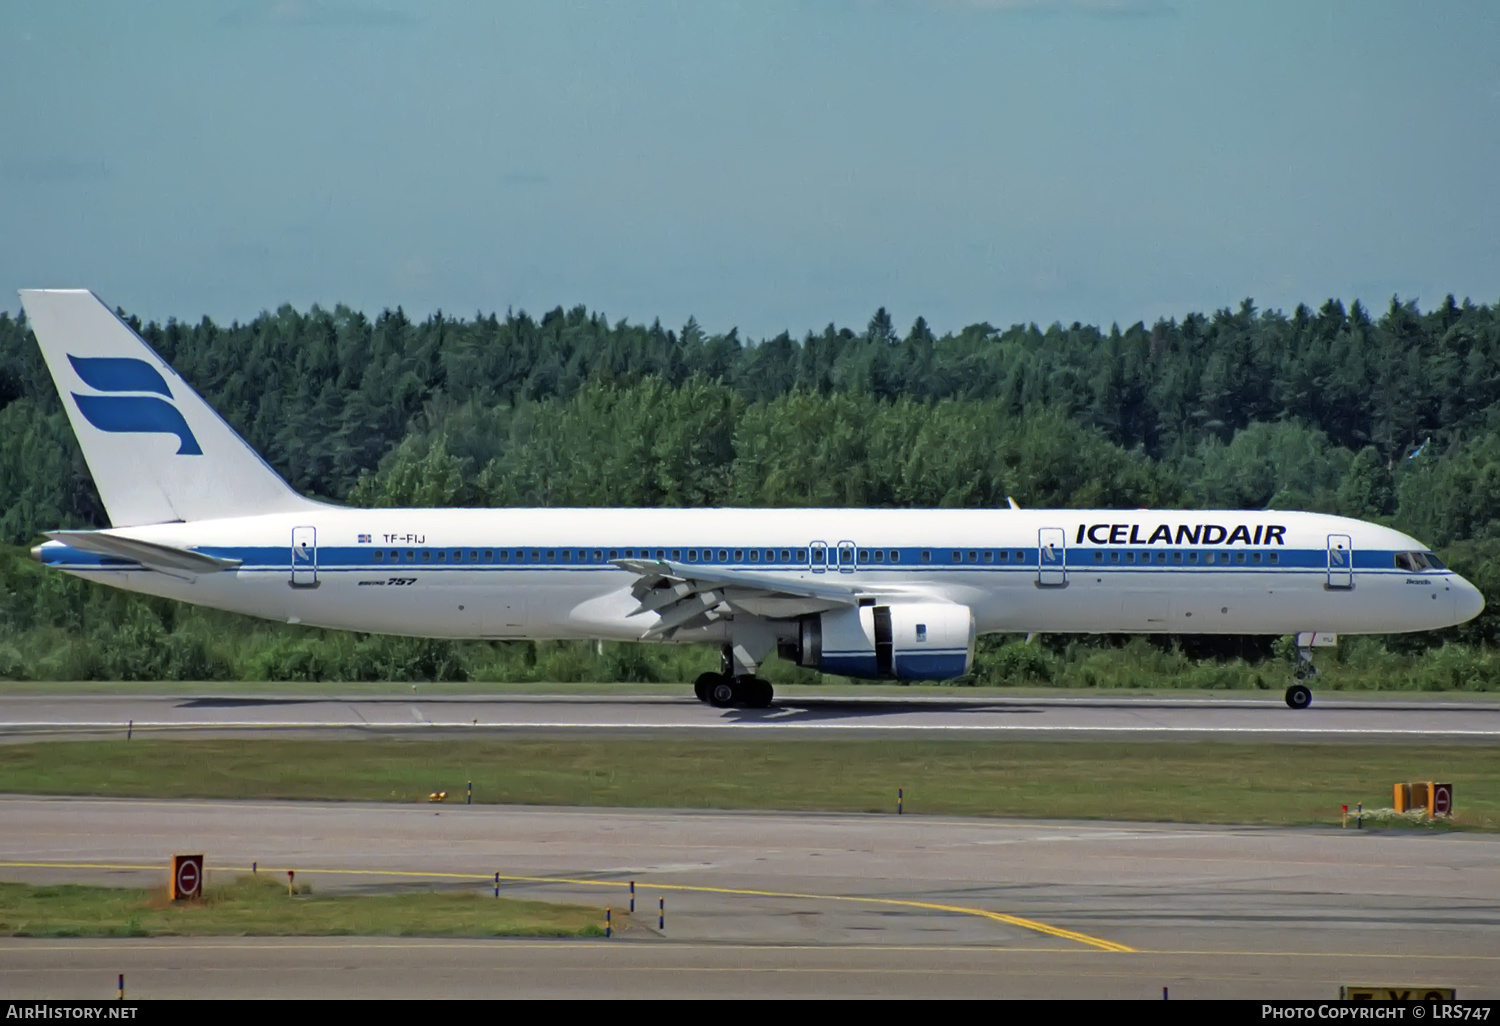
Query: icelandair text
[[1181, 534]]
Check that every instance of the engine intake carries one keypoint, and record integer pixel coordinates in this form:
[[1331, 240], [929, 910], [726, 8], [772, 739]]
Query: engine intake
[[905, 641]]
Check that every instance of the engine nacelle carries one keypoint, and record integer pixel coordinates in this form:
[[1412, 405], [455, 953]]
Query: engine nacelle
[[906, 641]]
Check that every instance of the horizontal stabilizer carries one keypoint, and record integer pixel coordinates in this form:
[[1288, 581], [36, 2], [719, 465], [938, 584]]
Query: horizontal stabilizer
[[148, 554]]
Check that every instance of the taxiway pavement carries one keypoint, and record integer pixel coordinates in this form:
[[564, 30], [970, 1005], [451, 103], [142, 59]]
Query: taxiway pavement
[[766, 903]]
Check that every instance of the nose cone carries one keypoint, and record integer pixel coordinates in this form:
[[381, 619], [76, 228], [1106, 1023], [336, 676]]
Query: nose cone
[[1467, 601]]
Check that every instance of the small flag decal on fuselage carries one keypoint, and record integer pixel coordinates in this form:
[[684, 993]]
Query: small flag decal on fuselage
[[364, 539]]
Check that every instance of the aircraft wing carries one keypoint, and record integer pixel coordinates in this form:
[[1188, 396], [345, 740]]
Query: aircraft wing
[[151, 555], [686, 597]]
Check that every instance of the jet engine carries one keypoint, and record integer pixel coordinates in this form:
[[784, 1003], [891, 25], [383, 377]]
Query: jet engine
[[906, 641]]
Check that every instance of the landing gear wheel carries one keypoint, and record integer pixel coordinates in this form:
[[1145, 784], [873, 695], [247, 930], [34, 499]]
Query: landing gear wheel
[[721, 694], [704, 684], [754, 692], [1298, 696]]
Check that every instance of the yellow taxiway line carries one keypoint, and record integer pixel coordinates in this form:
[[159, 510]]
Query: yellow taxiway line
[[999, 917]]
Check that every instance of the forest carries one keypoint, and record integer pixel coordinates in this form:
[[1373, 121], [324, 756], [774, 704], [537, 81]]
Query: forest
[[1393, 418]]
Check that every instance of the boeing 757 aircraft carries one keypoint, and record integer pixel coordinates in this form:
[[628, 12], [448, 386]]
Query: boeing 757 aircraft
[[897, 594]]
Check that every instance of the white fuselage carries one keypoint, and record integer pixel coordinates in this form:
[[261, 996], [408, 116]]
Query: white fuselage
[[547, 573]]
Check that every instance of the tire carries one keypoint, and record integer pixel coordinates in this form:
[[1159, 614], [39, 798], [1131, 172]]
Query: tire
[[723, 693], [1298, 696], [704, 684], [758, 693]]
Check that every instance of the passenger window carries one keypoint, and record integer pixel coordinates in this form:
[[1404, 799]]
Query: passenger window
[[411, 555], [552, 555], [1098, 556], [723, 556], [473, 555], [989, 555], [755, 555], [1208, 557], [801, 555], [1192, 557], [1130, 557], [458, 555], [442, 556], [1020, 557], [536, 555], [1161, 557], [1177, 557], [895, 555], [927, 555], [739, 555], [379, 556], [973, 556], [661, 553], [1239, 557], [1275, 558], [427, 555], [958, 556], [565, 554], [880, 555], [1256, 557], [864, 555], [677, 554], [786, 555], [1114, 555], [818, 556], [1004, 555], [692, 555]]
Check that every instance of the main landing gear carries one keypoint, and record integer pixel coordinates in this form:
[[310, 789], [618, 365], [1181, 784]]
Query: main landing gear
[[732, 686], [723, 691]]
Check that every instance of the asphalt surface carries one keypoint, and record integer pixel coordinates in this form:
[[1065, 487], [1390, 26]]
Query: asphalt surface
[[31, 717], [787, 905]]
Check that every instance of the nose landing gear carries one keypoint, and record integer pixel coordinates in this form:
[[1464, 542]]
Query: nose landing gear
[[1299, 695]]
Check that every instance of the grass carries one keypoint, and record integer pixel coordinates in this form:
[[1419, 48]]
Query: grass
[[258, 907], [1200, 782]]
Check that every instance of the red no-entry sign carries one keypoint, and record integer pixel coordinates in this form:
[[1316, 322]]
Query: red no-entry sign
[[187, 877]]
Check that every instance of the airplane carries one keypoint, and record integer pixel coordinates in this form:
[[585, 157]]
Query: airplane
[[883, 594]]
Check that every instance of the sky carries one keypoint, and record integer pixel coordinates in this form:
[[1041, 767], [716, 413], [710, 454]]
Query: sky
[[768, 164]]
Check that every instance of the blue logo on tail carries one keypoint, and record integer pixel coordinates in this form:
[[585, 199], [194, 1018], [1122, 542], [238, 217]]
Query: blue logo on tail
[[130, 413]]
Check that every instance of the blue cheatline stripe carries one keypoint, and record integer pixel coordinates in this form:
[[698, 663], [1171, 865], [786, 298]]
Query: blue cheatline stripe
[[359, 558]]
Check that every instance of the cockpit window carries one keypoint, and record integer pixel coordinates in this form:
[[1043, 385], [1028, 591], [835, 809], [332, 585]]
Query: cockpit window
[[1416, 562]]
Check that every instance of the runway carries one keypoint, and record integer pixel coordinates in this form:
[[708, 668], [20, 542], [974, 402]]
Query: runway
[[787, 905], [1332, 716]]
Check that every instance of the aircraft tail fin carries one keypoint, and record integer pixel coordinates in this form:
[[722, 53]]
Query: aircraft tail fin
[[157, 451]]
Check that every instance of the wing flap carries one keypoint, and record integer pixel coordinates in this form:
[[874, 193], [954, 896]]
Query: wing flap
[[687, 597]]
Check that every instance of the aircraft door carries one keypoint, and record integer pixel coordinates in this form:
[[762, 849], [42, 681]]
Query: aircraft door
[[819, 555], [1051, 567], [304, 557], [846, 557], [1340, 561]]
